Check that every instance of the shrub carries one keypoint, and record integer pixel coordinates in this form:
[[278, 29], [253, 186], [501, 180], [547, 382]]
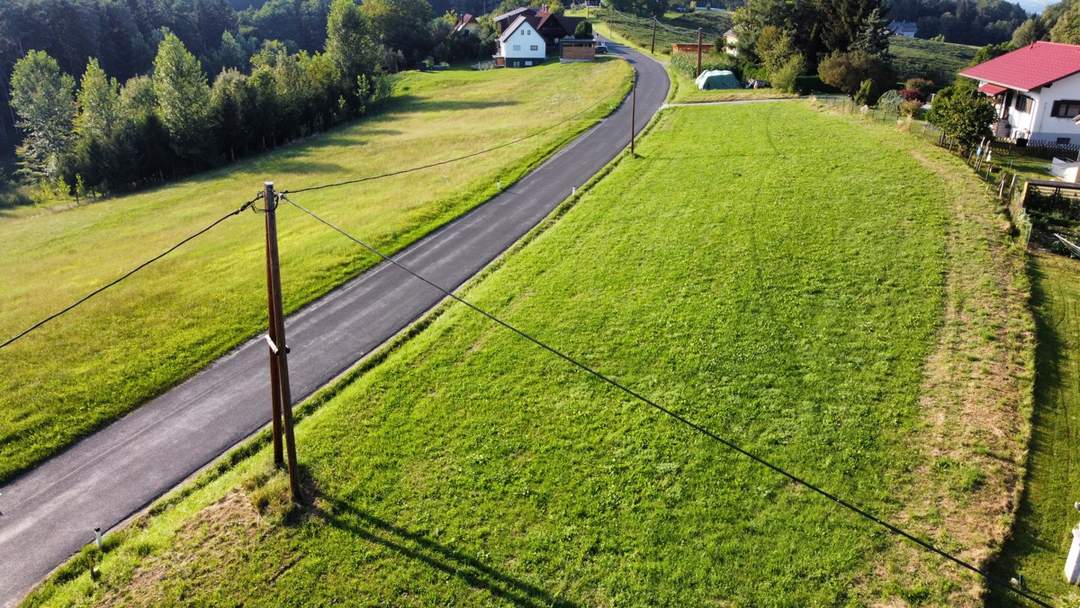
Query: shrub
[[912, 95], [850, 71], [963, 114], [786, 78], [910, 107], [922, 85], [890, 100], [864, 96]]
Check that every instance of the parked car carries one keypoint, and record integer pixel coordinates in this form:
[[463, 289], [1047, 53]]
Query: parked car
[[601, 47]]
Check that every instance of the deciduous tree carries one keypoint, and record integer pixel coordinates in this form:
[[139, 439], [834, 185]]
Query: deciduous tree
[[43, 99], [963, 114], [183, 99]]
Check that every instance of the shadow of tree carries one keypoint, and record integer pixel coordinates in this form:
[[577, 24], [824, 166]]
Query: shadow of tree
[[416, 546]]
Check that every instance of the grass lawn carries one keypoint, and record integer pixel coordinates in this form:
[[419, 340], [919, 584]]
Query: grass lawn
[[938, 61], [172, 319], [802, 298], [1042, 534]]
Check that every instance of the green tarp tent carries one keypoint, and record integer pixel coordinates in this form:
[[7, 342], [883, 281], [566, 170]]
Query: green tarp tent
[[717, 79]]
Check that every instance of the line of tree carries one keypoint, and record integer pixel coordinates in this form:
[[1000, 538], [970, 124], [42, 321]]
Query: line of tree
[[98, 135], [124, 35], [95, 135]]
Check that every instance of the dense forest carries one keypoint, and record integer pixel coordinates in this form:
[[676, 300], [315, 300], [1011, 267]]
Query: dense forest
[[977, 22], [124, 35], [134, 92]]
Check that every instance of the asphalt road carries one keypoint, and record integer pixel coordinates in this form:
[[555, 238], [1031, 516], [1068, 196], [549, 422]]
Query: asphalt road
[[49, 513]]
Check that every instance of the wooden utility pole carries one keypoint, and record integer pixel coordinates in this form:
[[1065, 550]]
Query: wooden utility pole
[[633, 111], [698, 73], [279, 349], [652, 47], [274, 340]]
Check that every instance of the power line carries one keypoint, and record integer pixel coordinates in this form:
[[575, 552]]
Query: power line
[[448, 161], [127, 274], [927, 545]]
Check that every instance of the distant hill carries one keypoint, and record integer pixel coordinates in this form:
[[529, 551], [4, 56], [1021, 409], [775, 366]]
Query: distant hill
[[938, 61]]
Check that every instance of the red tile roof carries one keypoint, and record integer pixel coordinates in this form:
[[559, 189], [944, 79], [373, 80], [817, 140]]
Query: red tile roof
[[1029, 67], [992, 89]]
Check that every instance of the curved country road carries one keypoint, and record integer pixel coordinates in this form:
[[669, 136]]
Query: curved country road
[[50, 512]]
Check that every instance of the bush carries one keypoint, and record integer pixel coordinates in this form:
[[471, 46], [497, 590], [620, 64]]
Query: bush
[[922, 85], [583, 30], [786, 78], [912, 95], [864, 96], [963, 114], [850, 72], [910, 108], [890, 100]]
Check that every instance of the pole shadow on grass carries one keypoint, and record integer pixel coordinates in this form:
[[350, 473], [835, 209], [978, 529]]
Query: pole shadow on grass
[[416, 546], [1024, 538]]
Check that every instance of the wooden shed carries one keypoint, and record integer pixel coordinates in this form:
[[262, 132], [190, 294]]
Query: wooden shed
[[577, 49]]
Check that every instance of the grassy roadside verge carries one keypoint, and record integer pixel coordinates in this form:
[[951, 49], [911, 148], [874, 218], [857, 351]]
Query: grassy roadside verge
[[1042, 534], [138, 340], [794, 310]]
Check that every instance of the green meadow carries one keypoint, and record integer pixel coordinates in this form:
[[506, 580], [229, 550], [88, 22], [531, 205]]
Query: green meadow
[[172, 319], [794, 296]]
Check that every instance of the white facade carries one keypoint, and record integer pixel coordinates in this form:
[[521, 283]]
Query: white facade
[[521, 45], [1043, 114]]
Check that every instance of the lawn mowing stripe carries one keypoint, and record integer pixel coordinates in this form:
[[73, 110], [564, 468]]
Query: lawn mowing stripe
[[927, 545]]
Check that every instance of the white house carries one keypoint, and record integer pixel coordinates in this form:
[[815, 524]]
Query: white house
[[731, 43], [520, 45], [1036, 90], [907, 29]]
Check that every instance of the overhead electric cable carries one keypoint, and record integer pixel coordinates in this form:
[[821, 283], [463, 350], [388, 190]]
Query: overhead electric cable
[[927, 545], [127, 274], [448, 161]]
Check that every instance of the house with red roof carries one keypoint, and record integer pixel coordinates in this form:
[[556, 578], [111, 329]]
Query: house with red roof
[[1036, 90]]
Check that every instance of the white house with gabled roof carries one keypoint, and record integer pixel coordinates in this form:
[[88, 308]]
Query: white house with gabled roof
[[520, 45], [1036, 89]]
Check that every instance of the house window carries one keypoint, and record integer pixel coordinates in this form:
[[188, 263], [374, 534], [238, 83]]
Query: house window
[[1023, 103], [517, 47], [533, 47], [1063, 141], [1066, 108]]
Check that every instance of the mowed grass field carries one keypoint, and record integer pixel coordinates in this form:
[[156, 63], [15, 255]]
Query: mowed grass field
[[175, 317], [938, 61], [744, 271], [1043, 532]]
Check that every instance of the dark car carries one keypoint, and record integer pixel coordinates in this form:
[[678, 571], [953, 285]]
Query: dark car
[[601, 47]]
